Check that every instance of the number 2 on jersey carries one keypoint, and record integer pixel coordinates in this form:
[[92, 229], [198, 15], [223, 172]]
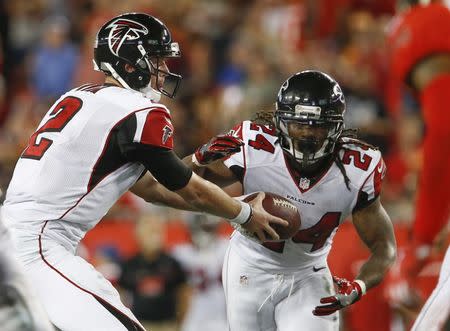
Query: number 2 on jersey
[[361, 161], [61, 114]]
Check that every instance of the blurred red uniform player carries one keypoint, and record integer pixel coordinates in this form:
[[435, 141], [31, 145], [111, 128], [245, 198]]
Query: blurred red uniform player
[[421, 58], [419, 34]]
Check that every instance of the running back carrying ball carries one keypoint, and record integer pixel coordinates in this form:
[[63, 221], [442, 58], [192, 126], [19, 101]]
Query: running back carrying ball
[[281, 207]]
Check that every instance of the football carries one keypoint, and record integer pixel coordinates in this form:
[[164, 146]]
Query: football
[[281, 207]]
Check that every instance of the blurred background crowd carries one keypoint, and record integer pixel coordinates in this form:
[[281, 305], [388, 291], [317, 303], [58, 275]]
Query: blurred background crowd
[[235, 55]]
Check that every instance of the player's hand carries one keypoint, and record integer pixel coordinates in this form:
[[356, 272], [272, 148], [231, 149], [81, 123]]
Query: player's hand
[[348, 292], [217, 148], [259, 223]]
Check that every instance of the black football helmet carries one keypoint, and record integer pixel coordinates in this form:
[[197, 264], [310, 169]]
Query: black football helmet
[[314, 99], [142, 41]]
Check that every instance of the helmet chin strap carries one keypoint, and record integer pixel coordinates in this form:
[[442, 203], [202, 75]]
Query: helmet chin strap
[[116, 75], [148, 92], [303, 158]]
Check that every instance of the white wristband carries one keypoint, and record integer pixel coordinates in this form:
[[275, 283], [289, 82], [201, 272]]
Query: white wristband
[[362, 285], [195, 161], [244, 215]]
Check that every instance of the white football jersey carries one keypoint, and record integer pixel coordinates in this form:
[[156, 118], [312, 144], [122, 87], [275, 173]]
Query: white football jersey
[[323, 205], [72, 170]]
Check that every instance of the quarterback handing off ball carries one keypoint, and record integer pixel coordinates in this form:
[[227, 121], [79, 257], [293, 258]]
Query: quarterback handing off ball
[[281, 207]]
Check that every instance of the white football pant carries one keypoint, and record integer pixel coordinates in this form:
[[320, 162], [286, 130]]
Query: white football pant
[[259, 300], [75, 295]]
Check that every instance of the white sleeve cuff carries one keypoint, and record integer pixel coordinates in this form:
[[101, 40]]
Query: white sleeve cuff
[[362, 285], [195, 161]]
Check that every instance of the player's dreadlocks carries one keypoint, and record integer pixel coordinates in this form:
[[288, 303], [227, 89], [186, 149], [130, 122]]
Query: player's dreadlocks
[[264, 118], [347, 137]]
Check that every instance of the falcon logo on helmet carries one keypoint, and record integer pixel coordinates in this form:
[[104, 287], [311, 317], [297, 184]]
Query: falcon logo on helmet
[[122, 30], [337, 93], [137, 39]]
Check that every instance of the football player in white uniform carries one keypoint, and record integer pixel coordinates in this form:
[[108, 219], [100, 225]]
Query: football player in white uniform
[[94, 144], [19, 308], [303, 154]]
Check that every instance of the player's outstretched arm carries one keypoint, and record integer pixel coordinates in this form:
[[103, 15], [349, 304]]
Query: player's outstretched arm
[[375, 229], [149, 189], [201, 195], [208, 197], [152, 191]]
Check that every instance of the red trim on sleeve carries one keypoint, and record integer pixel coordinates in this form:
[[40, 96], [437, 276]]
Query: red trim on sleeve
[[378, 176], [158, 129]]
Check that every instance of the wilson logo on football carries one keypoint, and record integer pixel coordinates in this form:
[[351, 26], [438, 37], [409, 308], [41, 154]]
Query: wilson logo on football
[[122, 30]]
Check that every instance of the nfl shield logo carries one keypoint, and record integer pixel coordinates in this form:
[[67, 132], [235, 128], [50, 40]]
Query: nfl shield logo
[[304, 183], [243, 280]]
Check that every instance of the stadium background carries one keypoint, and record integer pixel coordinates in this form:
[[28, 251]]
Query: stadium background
[[236, 54]]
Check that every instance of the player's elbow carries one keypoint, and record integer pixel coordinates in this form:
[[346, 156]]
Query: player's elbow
[[154, 198], [387, 252], [391, 253]]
